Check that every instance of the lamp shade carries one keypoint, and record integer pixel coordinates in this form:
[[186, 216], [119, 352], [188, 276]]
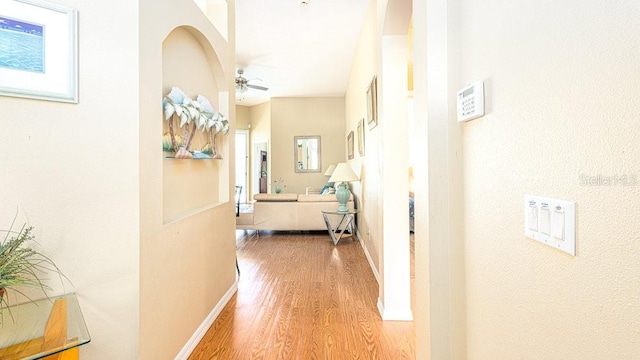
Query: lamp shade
[[343, 172], [330, 170]]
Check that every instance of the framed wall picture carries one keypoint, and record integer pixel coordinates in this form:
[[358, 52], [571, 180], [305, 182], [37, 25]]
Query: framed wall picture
[[350, 145], [361, 137], [372, 103], [38, 50], [307, 154]]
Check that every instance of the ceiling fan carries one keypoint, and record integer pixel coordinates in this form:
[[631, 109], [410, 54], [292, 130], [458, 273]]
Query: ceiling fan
[[242, 84]]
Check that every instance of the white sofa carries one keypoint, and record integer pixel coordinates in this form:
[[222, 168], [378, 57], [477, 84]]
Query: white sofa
[[290, 212]]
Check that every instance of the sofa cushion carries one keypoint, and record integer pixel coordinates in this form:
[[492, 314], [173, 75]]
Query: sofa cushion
[[313, 190], [275, 197], [328, 191]]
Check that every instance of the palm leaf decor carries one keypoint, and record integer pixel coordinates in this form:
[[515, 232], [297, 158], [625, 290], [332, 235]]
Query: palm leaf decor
[[190, 115]]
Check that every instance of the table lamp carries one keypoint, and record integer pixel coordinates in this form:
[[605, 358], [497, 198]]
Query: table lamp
[[343, 174], [329, 172]]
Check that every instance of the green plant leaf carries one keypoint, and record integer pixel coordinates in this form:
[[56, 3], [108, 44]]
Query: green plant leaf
[[22, 266]]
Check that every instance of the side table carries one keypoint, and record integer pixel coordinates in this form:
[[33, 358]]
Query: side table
[[50, 329], [347, 222]]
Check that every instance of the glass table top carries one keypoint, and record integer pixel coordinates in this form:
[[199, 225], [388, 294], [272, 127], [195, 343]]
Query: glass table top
[[34, 330], [336, 212]]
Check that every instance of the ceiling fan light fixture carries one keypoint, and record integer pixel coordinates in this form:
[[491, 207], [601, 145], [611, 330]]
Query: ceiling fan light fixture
[[242, 84], [304, 2], [241, 88]]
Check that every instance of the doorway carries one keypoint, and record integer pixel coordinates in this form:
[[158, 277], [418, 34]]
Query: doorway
[[260, 167], [242, 163], [263, 172]]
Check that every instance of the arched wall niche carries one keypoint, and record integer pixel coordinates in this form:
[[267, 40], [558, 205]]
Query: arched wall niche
[[190, 63], [192, 247], [209, 45], [211, 53]]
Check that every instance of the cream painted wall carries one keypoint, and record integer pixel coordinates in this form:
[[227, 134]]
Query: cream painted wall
[[72, 171], [561, 94], [383, 189], [440, 270], [395, 295], [260, 120], [557, 112], [305, 117], [186, 265], [382, 52], [242, 117], [217, 11], [366, 191], [426, 343]]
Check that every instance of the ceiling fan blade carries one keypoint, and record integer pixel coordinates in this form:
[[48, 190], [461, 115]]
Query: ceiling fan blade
[[257, 87]]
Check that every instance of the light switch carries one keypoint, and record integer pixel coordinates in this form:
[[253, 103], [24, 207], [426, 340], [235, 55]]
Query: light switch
[[557, 225], [532, 217], [544, 220], [555, 219]]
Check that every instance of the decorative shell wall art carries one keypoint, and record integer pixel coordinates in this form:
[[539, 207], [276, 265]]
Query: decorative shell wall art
[[187, 115]]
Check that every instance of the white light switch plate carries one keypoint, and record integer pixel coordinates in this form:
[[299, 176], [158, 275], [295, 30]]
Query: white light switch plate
[[556, 222]]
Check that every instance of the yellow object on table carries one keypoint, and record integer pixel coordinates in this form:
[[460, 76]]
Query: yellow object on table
[[50, 329]]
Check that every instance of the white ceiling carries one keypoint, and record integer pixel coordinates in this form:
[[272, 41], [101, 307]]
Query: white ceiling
[[295, 50]]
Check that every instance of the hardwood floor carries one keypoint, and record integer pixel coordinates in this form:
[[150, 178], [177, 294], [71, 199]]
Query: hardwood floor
[[301, 297]]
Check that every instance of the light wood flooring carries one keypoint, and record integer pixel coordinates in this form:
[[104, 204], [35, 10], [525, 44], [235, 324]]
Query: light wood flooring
[[301, 297]]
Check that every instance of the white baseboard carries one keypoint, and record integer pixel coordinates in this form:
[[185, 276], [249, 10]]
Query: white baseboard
[[394, 314], [370, 260], [188, 348]]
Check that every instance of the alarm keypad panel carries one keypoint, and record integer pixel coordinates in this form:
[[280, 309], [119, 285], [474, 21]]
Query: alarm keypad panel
[[470, 101]]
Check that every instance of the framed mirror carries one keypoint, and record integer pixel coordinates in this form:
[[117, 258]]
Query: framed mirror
[[307, 154]]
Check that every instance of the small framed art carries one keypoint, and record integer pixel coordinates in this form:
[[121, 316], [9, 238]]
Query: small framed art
[[350, 145], [372, 103], [361, 137], [38, 51]]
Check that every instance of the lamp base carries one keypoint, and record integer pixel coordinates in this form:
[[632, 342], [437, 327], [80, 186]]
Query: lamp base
[[343, 194]]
